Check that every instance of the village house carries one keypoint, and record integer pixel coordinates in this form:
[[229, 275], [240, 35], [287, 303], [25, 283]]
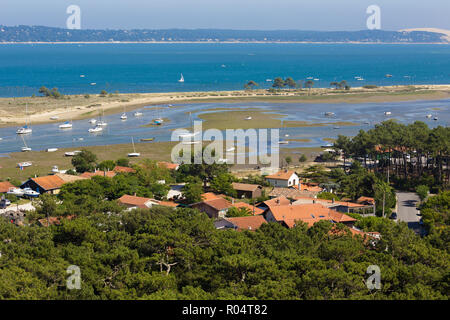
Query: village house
[[119, 169], [288, 215], [215, 208], [252, 209], [244, 190], [291, 193], [5, 186], [341, 206], [168, 165], [134, 202], [283, 178], [109, 174], [50, 184], [251, 223]]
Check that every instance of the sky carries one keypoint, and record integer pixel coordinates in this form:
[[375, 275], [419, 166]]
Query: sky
[[228, 14]]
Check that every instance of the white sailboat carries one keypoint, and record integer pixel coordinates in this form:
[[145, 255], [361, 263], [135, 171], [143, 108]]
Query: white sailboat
[[25, 129], [181, 78], [66, 125], [93, 121], [138, 114], [134, 153], [283, 141], [97, 129], [124, 115], [101, 122]]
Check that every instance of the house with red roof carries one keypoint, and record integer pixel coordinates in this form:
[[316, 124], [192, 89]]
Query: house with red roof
[[289, 215], [5, 186], [120, 169], [214, 208]]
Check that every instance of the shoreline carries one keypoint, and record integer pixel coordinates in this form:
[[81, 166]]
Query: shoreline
[[78, 107]]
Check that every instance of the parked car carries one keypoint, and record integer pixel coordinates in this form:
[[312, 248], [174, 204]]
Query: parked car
[[393, 216], [4, 203]]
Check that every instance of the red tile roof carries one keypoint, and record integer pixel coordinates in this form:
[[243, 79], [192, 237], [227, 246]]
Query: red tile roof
[[218, 204], [281, 175], [168, 204], [49, 182], [254, 210], [5, 186], [168, 165], [308, 213], [210, 196], [139, 202], [108, 174], [365, 200], [119, 169], [279, 201], [247, 223]]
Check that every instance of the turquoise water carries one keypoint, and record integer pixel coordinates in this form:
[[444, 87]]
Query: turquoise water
[[24, 68]]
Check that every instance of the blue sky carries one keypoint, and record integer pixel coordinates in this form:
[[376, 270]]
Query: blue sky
[[229, 14]]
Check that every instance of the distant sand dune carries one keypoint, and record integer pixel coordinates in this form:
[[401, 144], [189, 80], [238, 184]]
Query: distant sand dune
[[435, 30]]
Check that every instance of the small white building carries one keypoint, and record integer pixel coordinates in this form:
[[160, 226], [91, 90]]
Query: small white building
[[283, 178]]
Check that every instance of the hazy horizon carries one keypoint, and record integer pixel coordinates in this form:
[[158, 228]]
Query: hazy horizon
[[324, 15]]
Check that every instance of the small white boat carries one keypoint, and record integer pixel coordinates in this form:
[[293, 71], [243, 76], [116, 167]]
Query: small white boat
[[388, 75], [123, 116], [134, 153], [80, 139], [66, 125], [54, 118], [102, 123], [82, 75], [52, 149], [96, 129], [329, 114], [24, 164], [1, 139], [269, 80], [55, 169], [93, 121], [25, 149], [181, 78], [248, 118], [283, 142], [138, 114], [28, 192], [231, 149], [387, 113], [310, 78], [16, 192], [336, 127], [71, 153], [429, 116], [316, 79], [286, 135], [435, 118], [360, 79], [93, 83]]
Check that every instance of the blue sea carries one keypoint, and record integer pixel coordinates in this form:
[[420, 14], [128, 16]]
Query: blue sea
[[24, 68]]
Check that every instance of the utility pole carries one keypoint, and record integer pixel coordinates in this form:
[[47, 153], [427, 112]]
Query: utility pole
[[384, 200]]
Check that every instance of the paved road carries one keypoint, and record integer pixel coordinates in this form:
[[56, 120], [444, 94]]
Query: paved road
[[407, 212]]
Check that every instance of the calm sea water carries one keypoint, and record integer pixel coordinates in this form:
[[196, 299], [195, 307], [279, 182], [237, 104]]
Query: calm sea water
[[364, 115], [24, 68]]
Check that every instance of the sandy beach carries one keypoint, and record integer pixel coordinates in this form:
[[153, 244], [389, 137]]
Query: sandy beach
[[74, 107]]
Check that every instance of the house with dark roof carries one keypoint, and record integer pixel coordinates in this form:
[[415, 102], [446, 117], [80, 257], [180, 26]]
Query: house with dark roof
[[250, 223], [245, 190], [215, 208]]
